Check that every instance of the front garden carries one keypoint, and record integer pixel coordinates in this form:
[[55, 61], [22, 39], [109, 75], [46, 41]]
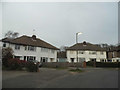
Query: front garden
[[10, 63]]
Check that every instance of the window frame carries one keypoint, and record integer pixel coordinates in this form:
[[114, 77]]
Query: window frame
[[17, 47]]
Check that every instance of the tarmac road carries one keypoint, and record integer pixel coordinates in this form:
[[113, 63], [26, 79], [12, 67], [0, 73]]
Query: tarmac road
[[52, 78]]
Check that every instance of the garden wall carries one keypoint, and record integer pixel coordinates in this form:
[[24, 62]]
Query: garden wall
[[61, 64], [104, 64]]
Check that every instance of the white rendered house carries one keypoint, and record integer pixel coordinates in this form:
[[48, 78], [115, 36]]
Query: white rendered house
[[31, 48], [86, 52]]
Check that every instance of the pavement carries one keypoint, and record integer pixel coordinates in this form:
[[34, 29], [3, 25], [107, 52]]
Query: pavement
[[53, 78]]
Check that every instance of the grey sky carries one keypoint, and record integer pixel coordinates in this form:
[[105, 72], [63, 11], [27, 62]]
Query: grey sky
[[57, 23]]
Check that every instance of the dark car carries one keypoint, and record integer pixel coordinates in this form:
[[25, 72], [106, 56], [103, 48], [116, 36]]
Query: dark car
[[40, 64]]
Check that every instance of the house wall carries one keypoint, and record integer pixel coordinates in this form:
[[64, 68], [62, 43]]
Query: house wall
[[86, 55], [38, 53], [112, 54]]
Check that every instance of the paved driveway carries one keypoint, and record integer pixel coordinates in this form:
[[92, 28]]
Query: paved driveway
[[52, 78]]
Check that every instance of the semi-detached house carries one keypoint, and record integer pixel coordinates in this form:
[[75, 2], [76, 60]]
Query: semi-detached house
[[86, 52], [31, 48]]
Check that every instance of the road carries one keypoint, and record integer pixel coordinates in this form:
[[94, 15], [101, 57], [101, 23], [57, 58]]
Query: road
[[52, 78]]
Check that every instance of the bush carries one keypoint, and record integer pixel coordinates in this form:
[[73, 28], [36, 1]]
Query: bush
[[31, 67], [7, 53], [15, 64]]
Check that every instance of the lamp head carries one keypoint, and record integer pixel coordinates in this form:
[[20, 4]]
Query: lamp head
[[79, 33]]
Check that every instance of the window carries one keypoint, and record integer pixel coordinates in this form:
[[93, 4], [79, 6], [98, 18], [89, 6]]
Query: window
[[92, 52], [93, 59], [4, 45], [81, 52], [31, 48], [117, 60], [109, 60], [31, 58], [17, 47], [24, 57], [44, 59], [25, 47]]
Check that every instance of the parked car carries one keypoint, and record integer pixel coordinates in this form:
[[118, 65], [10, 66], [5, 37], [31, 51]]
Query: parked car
[[40, 64]]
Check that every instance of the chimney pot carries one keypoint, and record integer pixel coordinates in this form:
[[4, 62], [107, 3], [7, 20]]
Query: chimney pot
[[34, 37]]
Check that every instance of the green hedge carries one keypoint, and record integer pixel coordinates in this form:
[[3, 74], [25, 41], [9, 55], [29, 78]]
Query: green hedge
[[104, 64]]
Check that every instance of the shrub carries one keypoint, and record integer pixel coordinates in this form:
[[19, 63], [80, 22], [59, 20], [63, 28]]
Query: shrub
[[7, 53], [31, 67], [15, 64]]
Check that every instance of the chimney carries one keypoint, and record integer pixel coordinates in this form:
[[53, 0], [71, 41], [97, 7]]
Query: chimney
[[84, 43], [34, 37]]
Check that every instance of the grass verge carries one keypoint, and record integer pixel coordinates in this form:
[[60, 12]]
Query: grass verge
[[76, 70]]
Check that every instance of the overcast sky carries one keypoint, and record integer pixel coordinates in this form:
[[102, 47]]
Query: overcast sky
[[58, 23]]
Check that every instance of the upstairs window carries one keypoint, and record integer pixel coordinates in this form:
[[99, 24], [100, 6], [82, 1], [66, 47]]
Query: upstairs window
[[31, 48], [25, 47], [17, 47]]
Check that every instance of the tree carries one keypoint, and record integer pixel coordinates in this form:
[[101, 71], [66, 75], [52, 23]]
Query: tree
[[7, 53], [11, 34], [63, 48]]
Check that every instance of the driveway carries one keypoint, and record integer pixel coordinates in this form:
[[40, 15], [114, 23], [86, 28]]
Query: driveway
[[52, 78]]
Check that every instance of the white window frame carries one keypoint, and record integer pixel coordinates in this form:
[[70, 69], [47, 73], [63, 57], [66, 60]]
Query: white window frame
[[17, 47]]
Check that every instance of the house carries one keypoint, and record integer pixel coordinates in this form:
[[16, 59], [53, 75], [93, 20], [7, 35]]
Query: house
[[31, 48], [113, 54], [86, 52], [62, 56]]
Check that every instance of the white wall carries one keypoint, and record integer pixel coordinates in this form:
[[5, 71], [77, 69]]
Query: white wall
[[86, 55], [38, 53]]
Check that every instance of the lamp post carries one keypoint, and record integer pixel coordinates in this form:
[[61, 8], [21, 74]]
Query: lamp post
[[78, 33]]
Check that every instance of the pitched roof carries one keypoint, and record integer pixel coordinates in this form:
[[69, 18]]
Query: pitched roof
[[31, 41], [61, 54], [6, 39], [86, 46]]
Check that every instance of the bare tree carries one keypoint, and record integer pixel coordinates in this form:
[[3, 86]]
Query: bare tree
[[63, 48], [11, 34], [15, 34]]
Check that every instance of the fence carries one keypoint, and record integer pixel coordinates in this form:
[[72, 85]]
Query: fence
[[61, 64]]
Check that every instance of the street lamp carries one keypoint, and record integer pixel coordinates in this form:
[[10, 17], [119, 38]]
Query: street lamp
[[78, 33]]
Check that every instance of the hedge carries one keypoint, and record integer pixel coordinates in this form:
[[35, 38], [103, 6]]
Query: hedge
[[104, 64]]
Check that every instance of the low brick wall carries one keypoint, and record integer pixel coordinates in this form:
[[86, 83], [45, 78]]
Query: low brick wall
[[61, 64]]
